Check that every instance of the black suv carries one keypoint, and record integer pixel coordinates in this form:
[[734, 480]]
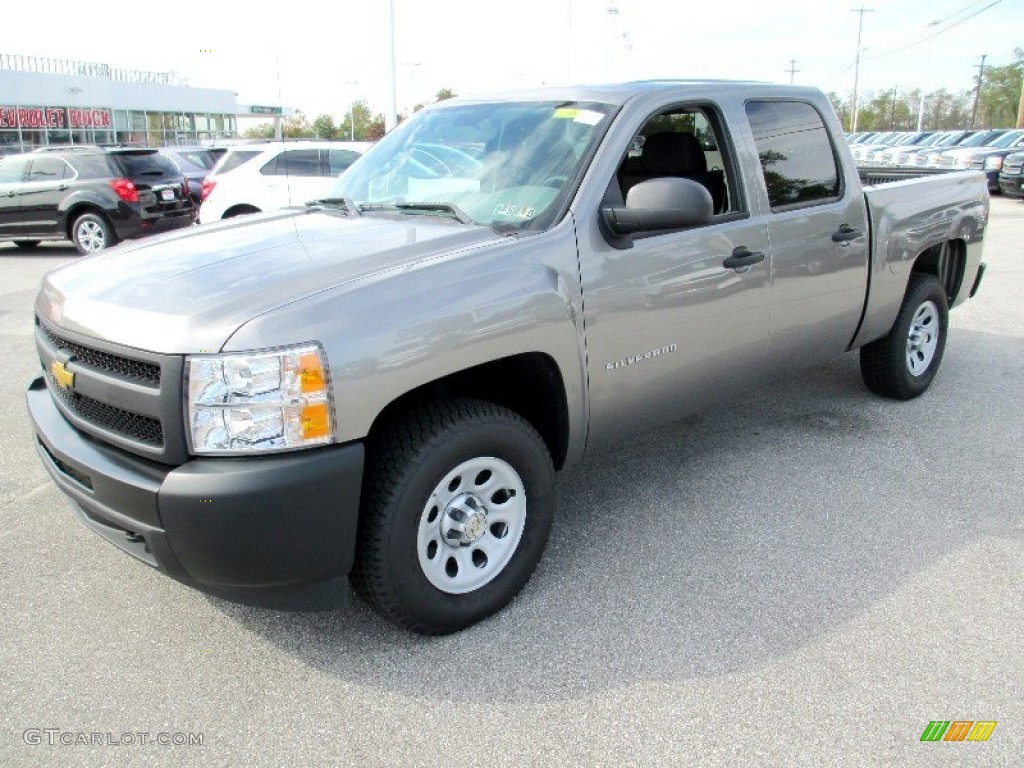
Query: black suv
[[91, 196]]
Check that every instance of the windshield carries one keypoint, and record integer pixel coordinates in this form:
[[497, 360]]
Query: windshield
[[1007, 139], [506, 165]]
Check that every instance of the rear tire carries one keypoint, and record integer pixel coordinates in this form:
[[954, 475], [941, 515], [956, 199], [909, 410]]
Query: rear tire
[[902, 364], [458, 502], [91, 233], [26, 243]]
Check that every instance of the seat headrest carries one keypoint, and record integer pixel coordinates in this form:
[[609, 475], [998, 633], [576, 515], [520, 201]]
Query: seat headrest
[[673, 154]]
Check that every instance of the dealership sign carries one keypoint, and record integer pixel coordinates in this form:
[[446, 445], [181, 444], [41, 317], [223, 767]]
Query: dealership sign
[[53, 117]]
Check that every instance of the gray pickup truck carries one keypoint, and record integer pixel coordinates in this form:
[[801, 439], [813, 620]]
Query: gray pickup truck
[[379, 387]]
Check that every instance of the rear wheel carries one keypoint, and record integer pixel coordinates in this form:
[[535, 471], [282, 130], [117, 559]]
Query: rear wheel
[[902, 364], [26, 243], [458, 502], [91, 233]]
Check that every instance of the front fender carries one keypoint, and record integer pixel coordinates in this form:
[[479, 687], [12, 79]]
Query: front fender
[[393, 333]]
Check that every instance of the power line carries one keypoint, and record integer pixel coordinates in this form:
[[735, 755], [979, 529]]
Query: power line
[[888, 50], [792, 70]]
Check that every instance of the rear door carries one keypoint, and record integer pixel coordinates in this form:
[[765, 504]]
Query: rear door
[[297, 175], [818, 233]]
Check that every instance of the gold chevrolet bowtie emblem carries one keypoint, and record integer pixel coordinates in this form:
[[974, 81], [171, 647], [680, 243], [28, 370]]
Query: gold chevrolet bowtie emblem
[[65, 379]]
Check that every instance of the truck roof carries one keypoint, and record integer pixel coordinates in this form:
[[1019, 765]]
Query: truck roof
[[620, 93]]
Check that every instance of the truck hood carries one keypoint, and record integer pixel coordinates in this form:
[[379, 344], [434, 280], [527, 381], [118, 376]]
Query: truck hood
[[190, 290]]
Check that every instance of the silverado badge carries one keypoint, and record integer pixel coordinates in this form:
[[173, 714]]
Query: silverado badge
[[65, 379]]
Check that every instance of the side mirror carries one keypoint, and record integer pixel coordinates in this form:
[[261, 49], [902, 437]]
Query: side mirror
[[657, 204]]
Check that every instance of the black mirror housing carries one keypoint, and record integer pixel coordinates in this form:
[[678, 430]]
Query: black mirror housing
[[659, 204]]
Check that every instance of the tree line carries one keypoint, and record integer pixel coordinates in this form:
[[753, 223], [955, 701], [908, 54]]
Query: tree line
[[358, 124], [999, 103]]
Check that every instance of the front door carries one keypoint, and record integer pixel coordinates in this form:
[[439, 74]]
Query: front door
[[669, 327]]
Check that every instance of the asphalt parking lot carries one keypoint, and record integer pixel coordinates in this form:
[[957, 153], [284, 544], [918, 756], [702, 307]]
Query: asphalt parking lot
[[806, 577]]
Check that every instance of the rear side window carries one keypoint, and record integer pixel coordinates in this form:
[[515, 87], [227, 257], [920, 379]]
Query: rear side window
[[294, 162], [796, 154], [148, 165], [49, 169], [340, 159], [234, 159], [199, 158]]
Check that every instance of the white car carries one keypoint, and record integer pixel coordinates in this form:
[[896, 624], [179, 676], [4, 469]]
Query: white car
[[263, 177]]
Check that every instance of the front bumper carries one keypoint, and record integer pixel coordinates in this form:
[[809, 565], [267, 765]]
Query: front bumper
[[1011, 186], [274, 531]]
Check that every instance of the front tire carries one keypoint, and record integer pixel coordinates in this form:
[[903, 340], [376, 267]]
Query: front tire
[[90, 233], [458, 503], [902, 364]]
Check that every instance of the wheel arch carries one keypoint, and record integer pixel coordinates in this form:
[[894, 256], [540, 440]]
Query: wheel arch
[[947, 261], [529, 384]]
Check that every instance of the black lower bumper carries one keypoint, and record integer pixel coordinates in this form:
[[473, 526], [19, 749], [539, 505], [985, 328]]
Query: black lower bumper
[[275, 531]]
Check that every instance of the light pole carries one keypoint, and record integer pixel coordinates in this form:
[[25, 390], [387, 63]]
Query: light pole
[[928, 69], [391, 115], [352, 109], [613, 11], [856, 67]]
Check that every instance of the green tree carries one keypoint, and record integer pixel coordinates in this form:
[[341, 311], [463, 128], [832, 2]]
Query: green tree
[[324, 127], [444, 94], [1000, 94], [365, 123], [297, 126], [261, 131]]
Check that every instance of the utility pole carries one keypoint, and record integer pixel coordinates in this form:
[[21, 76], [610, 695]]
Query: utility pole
[[928, 68], [856, 67], [977, 91], [1020, 109], [391, 103], [892, 114], [792, 70]]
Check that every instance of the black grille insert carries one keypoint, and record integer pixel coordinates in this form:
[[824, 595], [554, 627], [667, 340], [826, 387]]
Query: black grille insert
[[79, 477], [136, 370], [125, 423]]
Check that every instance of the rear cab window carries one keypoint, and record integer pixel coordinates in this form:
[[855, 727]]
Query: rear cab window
[[798, 161]]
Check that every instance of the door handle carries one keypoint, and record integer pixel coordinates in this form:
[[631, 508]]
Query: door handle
[[742, 257], [845, 233]]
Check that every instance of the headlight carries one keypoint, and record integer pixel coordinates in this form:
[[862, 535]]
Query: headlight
[[259, 402], [993, 163]]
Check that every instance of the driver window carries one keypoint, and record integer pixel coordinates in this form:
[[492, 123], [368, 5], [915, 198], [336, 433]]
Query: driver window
[[683, 143]]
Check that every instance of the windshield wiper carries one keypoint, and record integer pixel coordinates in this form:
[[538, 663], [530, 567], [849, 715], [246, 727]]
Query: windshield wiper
[[450, 208], [345, 202]]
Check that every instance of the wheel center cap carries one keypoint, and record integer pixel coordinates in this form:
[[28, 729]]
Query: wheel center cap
[[464, 520]]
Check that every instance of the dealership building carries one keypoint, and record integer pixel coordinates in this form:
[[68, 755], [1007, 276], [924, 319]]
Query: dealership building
[[57, 101]]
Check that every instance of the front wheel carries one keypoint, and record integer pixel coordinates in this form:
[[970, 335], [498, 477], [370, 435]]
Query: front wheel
[[902, 364], [457, 510], [91, 233]]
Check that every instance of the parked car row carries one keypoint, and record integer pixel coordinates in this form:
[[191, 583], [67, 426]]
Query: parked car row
[[983, 150], [97, 196], [1011, 177], [91, 196]]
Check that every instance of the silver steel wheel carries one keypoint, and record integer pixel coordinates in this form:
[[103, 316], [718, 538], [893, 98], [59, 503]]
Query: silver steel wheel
[[91, 235], [471, 525], [923, 339]]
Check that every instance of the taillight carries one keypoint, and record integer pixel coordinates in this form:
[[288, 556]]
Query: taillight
[[208, 185], [126, 190]]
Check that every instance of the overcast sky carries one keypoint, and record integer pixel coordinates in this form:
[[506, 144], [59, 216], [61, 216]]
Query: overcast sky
[[318, 56]]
